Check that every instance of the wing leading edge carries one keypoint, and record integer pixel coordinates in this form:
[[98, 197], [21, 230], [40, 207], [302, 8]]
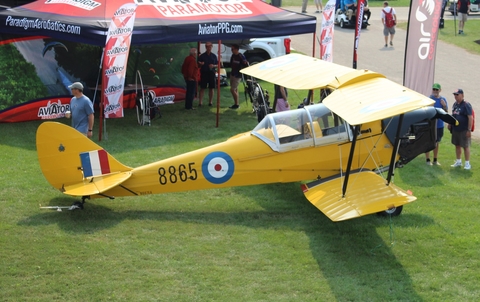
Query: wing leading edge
[[367, 193]]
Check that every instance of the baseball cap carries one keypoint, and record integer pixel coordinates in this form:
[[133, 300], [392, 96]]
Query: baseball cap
[[458, 91], [436, 86], [76, 85]]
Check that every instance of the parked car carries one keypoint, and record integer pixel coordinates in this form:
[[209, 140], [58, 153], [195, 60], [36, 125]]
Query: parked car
[[255, 50]]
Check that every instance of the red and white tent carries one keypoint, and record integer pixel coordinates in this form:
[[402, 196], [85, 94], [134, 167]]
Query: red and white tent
[[156, 22]]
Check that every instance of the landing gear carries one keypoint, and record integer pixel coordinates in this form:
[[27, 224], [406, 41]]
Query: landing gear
[[75, 206], [391, 212]]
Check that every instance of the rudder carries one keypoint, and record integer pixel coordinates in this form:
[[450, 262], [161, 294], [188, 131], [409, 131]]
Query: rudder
[[60, 148]]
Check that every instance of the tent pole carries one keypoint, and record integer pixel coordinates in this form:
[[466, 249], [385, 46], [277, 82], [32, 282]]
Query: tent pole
[[313, 43], [218, 80], [101, 97]]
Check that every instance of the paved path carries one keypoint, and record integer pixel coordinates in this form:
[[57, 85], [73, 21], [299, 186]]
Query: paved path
[[455, 67]]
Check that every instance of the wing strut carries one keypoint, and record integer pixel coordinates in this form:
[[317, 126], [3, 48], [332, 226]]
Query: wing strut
[[356, 130], [391, 168]]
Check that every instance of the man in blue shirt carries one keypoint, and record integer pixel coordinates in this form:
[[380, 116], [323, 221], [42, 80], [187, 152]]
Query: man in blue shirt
[[81, 108], [207, 62], [440, 102]]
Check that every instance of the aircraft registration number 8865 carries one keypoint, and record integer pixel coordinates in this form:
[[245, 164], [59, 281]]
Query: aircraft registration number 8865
[[173, 174]]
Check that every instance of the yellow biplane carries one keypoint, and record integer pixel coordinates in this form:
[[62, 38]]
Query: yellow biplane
[[347, 147]]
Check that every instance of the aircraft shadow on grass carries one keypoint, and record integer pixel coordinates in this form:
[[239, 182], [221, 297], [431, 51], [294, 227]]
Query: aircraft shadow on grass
[[338, 248]]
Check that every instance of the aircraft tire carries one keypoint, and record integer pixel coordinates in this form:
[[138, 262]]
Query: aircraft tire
[[393, 212], [255, 60]]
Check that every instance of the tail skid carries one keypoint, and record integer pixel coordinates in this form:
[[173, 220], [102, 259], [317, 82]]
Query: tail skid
[[74, 164]]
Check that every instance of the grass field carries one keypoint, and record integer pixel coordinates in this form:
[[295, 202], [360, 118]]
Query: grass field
[[255, 243]]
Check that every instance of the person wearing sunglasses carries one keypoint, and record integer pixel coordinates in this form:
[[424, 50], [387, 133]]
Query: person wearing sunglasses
[[440, 102]]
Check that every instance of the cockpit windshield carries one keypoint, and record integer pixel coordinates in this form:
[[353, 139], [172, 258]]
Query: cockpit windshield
[[312, 125]]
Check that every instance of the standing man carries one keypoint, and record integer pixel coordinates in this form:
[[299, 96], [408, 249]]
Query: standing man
[[304, 6], [319, 5], [462, 134], [463, 9], [190, 71], [207, 61], [81, 108], [389, 20], [440, 102], [237, 62]]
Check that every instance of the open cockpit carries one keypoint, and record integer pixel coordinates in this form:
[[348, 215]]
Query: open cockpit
[[313, 125]]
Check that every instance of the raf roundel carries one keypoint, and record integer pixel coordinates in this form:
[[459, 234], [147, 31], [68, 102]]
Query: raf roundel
[[218, 167]]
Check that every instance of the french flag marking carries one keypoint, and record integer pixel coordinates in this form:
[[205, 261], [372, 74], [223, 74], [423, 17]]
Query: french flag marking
[[94, 163]]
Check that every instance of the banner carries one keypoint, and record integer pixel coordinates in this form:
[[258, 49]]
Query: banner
[[326, 33], [421, 45], [115, 59], [358, 28]]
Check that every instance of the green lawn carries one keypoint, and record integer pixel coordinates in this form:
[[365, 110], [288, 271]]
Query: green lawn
[[255, 243]]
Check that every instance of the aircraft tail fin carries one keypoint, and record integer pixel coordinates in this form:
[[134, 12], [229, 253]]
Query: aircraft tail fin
[[74, 164], [367, 193]]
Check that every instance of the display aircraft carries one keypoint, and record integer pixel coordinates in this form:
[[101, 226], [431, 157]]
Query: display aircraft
[[344, 150]]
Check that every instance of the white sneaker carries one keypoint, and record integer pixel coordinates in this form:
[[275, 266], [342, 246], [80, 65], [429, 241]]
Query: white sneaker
[[436, 163], [456, 164], [467, 166]]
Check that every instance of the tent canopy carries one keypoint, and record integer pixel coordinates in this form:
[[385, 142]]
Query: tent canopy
[[156, 22]]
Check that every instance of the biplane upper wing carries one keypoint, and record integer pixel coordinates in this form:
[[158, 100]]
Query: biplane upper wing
[[296, 71], [359, 96], [374, 99], [367, 193]]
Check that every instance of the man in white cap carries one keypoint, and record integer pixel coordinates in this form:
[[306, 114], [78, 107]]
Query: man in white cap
[[81, 108]]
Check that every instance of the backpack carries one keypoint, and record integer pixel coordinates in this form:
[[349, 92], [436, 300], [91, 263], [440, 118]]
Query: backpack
[[473, 119], [389, 21]]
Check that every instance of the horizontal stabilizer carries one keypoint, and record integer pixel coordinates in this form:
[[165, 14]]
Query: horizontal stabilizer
[[97, 184], [367, 193]]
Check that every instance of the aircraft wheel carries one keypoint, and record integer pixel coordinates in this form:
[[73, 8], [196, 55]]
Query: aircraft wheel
[[392, 212], [79, 204], [255, 60], [342, 24]]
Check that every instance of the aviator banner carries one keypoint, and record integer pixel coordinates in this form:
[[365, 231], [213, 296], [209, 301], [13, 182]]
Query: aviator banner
[[326, 33], [421, 45], [115, 60], [358, 29]]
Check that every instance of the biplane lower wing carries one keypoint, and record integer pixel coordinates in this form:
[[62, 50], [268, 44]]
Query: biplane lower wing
[[367, 193]]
